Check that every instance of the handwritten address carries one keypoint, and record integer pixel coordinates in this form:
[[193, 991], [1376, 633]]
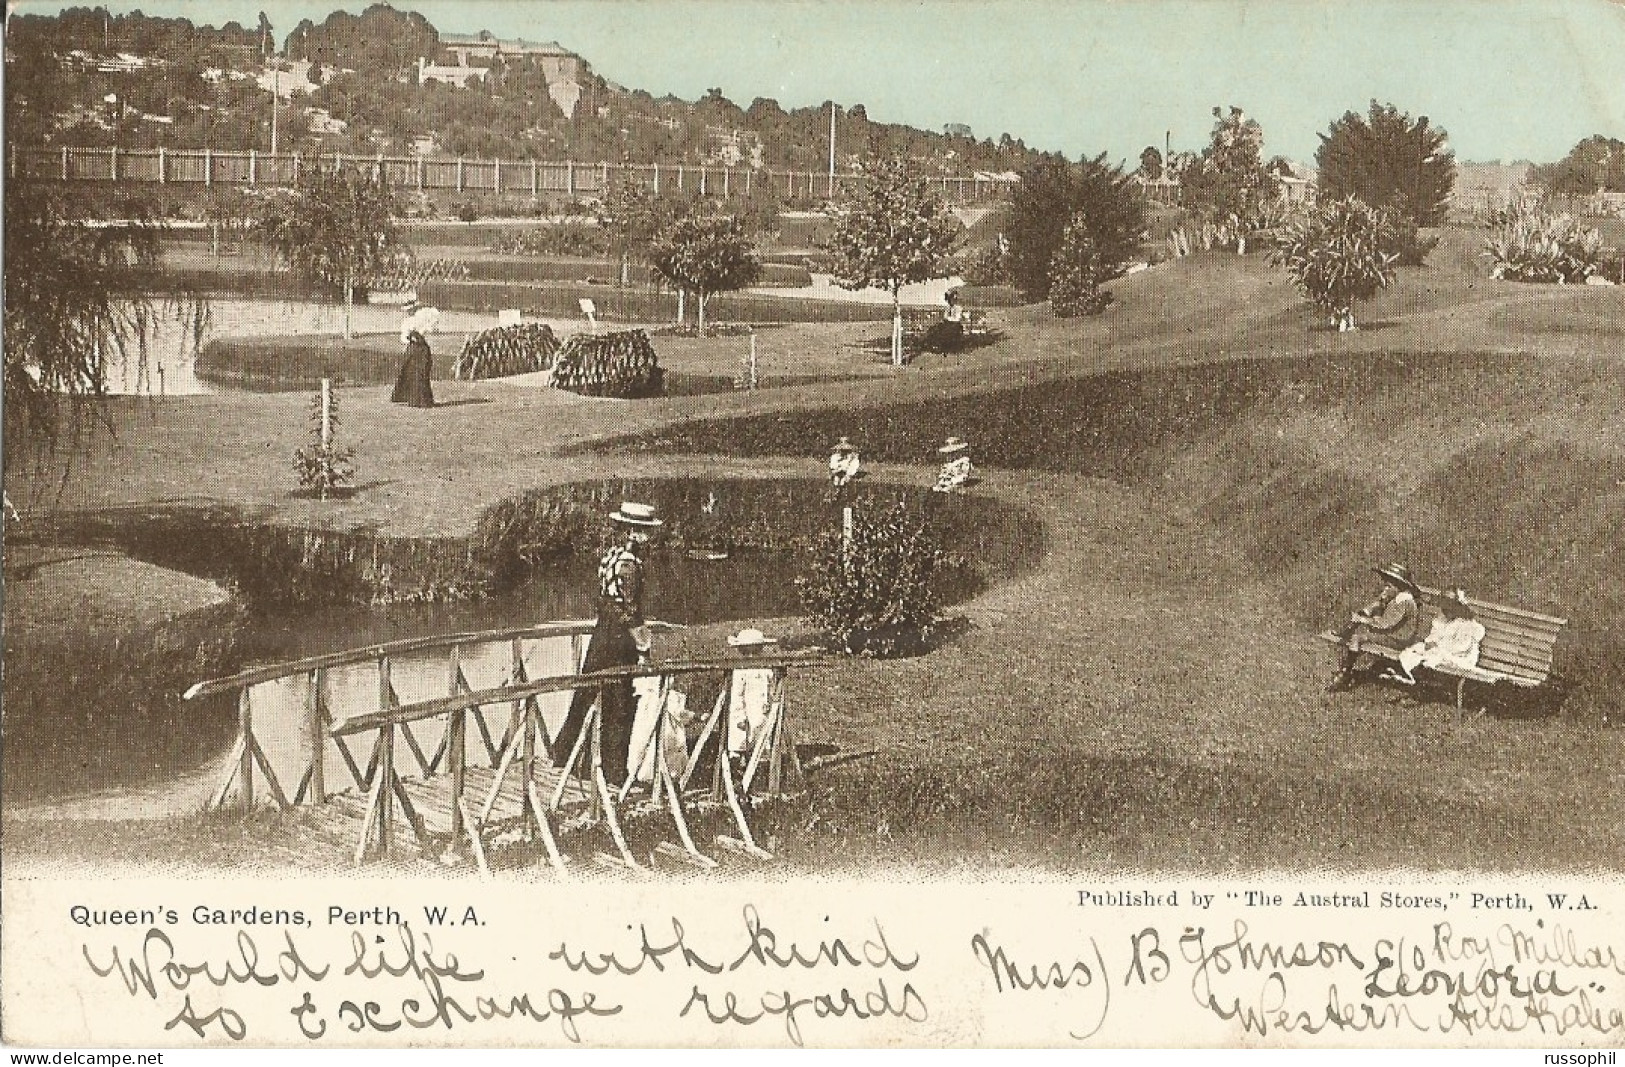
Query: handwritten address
[[1510, 978]]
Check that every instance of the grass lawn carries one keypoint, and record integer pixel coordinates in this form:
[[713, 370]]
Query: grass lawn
[[1216, 476]]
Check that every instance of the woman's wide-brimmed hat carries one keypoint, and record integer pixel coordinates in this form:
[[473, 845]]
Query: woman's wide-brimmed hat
[[751, 638], [843, 445], [1455, 599], [631, 514], [954, 444], [1398, 574]]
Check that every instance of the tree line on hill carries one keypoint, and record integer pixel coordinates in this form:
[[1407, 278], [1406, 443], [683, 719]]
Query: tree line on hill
[[1595, 165], [363, 70]]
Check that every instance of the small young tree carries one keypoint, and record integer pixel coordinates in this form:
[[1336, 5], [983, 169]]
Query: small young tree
[[336, 228], [1055, 193], [896, 231], [633, 217], [324, 467], [1338, 254], [1076, 274], [705, 255]]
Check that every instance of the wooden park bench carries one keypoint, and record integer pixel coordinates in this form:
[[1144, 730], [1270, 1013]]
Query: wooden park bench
[[1516, 650]]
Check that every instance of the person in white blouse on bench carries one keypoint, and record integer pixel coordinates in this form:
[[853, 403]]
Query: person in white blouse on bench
[[1452, 640]]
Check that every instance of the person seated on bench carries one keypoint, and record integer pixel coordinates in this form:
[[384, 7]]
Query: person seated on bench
[[843, 463], [956, 466], [1388, 622], [1452, 640]]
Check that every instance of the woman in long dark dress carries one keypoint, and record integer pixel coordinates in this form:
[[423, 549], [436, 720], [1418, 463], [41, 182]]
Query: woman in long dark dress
[[619, 639], [412, 384]]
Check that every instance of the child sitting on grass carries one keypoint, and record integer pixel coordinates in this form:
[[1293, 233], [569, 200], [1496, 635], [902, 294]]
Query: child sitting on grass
[[956, 466]]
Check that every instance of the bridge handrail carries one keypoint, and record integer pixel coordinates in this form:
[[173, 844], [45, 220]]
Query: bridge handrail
[[427, 709], [272, 671]]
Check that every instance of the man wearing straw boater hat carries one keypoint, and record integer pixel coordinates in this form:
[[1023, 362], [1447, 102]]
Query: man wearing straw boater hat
[[956, 466], [1388, 622], [620, 639]]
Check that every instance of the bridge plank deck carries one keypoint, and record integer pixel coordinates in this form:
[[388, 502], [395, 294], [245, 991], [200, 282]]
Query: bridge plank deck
[[338, 821]]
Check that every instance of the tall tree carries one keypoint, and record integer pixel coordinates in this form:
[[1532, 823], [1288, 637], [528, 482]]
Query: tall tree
[[895, 231], [1054, 194], [705, 255], [1229, 182], [335, 228], [1596, 164], [1388, 161], [71, 314]]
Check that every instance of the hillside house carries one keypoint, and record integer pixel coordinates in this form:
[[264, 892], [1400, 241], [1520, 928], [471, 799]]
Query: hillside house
[[466, 56]]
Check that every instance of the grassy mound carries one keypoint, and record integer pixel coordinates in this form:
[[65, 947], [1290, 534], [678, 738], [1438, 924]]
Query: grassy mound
[[98, 650], [1500, 468]]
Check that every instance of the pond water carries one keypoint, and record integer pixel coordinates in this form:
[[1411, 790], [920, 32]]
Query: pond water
[[171, 367], [680, 590], [154, 737]]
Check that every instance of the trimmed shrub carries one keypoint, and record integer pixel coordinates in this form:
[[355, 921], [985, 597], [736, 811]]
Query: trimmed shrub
[[507, 350], [621, 365]]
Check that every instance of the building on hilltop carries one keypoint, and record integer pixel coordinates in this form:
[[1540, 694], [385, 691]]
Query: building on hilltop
[[465, 56]]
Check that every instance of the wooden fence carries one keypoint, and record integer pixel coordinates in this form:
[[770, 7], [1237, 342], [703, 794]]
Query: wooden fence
[[535, 178], [397, 722]]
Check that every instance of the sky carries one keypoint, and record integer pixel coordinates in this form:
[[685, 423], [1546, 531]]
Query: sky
[[1508, 79]]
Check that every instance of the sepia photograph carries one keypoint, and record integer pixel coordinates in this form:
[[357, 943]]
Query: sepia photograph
[[732, 523]]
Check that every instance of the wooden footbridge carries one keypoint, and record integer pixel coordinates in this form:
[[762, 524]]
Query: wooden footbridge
[[444, 744]]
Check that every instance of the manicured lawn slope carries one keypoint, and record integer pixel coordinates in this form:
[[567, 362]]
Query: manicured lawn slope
[[1215, 477]]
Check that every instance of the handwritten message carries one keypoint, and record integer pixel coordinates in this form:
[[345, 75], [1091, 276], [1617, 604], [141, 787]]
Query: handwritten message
[[402, 980], [803, 965]]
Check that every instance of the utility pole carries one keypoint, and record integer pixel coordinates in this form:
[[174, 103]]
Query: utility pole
[[831, 192], [276, 101]]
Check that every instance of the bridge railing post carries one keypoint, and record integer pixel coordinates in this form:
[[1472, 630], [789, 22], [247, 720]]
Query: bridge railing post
[[456, 745], [245, 725], [317, 732]]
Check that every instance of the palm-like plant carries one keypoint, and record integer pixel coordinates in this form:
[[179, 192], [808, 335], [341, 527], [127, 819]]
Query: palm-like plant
[[1529, 244], [1338, 255]]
